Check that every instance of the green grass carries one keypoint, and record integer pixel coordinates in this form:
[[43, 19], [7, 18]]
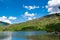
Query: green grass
[[36, 24]]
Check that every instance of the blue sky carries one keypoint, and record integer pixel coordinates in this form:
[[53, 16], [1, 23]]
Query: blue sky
[[21, 9]]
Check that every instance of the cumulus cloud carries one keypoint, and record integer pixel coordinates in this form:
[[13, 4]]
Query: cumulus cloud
[[30, 16], [12, 18], [30, 7], [5, 19], [53, 6]]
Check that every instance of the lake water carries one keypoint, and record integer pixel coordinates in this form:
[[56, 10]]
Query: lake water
[[28, 35]]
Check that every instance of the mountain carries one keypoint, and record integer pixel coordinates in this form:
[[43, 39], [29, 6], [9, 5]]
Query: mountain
[[37, 24], [3, 23]]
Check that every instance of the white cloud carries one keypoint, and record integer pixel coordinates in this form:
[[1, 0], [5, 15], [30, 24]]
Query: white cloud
[[30, 18], [4, 19], [12, 18], [8, 20], [53, 6], [54, 2], [29, 15], [30, 7]]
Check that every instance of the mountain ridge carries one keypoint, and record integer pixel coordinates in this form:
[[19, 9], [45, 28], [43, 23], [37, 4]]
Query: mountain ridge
[[3, 23]]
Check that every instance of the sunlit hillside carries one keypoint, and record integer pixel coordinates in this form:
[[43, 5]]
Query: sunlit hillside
[[42, 23]]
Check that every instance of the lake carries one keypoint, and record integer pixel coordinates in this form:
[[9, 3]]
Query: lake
[[28, 35]]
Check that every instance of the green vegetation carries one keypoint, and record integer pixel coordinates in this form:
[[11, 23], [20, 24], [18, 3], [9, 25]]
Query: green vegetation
[[55, 27], [43, 37], [49, 23], [3, 25]]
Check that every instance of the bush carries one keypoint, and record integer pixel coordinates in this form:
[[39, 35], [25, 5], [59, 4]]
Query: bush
[[29, 28], [54, 27]]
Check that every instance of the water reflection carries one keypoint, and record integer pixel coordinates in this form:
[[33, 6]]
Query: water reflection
[[5, 35], [28, 35], [43, 37]]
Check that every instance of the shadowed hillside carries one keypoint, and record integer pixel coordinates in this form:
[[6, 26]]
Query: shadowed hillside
[[3, 23]]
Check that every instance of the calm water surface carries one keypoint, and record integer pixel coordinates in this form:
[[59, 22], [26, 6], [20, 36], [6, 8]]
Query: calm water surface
[[28, 35]]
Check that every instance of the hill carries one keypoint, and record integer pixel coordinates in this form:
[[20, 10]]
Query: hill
[[3, 25], [37, 24]]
